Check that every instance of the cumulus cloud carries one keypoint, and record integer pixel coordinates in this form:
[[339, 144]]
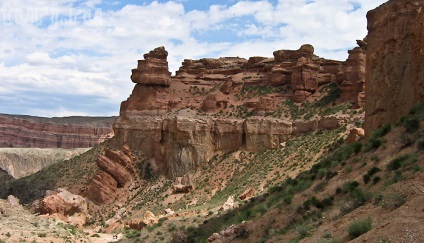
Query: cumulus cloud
[[75, 56]]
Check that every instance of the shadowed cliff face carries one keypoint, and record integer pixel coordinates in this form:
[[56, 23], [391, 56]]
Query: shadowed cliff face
[[224, 104], [67, 132], [395, 63]]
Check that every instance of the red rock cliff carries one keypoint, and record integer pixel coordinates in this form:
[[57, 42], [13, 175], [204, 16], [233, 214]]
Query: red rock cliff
[[180, 122], [395, 63], [37, 132]]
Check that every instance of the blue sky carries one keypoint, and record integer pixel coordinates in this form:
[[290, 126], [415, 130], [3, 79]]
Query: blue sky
[[74, 57]]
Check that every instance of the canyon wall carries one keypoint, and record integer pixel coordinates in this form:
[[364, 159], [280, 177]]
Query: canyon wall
[[68, 132], [218, 105], [394, 62]]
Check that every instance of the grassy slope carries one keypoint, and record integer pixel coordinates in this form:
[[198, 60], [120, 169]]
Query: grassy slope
[[369, 181], [68, 173]]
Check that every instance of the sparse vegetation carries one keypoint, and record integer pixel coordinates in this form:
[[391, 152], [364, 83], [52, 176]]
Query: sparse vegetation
[[359, 227]]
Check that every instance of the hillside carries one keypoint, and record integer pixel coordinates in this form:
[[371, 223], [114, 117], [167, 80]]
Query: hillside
[[268, 149], [370, 190]]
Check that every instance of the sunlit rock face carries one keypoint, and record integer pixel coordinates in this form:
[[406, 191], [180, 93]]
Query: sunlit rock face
[[394, 62], [67, 132], [171, 119]]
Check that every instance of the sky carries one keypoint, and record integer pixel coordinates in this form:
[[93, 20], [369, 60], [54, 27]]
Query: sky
[[74, 57]]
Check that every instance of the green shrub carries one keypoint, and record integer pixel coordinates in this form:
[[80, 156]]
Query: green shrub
[[373, 171], [393, 200], [373, 143], [359, 227], [356, 147], [349, 186], [381, 132], [367, 178], [95, 235], [42, 235], [401, 161], [411, 124], [420, 143], [132, 233], [376, 180], [303, 231]]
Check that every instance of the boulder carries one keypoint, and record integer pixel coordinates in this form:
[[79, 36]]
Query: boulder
[[249, 193], [229, 204], [182, 184], [354, 135], [66, 206]]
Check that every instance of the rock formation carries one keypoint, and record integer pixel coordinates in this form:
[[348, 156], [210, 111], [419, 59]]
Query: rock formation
[[354, 135], [66, 206], [394, 63], [249, 193], [161, 117], [148, 219], [67, 132], [353, 84], [117, 171], [182, 184]]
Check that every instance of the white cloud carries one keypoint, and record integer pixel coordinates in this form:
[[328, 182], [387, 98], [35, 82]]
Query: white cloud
[[75, 48]]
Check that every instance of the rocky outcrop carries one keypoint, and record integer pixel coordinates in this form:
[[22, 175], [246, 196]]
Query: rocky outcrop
[[182, 184], [354, 135], [229, 204], [67, 132], [394, 63], [175, 121], [148, 219], [64, 205], [226, 235], [153, 70], [249, 193], [181, 144], [117, 171], [353, 84]]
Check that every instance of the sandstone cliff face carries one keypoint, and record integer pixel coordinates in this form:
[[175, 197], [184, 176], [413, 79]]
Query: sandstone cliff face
[[180, 122], [394, 63], [36, 132]]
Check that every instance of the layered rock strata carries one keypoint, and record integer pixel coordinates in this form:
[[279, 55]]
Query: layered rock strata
[[175, 122], [117, 171], [37, 132], [394, 62]]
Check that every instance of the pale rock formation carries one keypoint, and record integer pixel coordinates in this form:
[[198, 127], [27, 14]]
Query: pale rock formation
[[229, 204], [169, 212], [12, 200]]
